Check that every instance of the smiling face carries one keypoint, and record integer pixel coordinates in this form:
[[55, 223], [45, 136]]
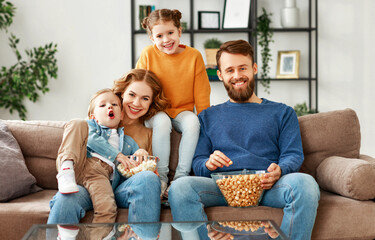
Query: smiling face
[[137, 99], [166, 37], [237, 73], [107, 110]]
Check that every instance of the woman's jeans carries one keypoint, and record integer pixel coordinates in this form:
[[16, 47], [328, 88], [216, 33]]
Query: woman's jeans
[[140, 194], [186, 123], [297, 193]]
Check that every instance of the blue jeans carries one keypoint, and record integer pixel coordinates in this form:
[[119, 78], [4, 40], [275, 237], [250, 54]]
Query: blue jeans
[[186, 123], [140, 194], [297, 193]]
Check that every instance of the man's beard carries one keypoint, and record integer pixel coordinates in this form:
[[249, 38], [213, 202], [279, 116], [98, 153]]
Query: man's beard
[[241, 95]]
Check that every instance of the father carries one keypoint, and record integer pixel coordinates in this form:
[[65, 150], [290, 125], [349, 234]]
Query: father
[[253, 133]]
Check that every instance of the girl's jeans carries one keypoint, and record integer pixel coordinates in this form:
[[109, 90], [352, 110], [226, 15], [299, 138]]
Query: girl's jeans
[[297, 193], [186, 123], [140, 194]]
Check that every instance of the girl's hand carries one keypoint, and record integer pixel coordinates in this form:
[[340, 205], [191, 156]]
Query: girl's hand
[[126, 162], [218, 160], [140, 155]]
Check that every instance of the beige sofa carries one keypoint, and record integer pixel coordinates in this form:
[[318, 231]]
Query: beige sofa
[[331, 143]]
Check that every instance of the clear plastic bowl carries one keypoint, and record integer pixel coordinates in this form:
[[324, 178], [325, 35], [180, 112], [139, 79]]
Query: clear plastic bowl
[[240, 188]]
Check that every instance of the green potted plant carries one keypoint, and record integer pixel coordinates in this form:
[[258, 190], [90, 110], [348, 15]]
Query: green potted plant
[[265, 34], [26, 78], [301, 109], [211, 46]]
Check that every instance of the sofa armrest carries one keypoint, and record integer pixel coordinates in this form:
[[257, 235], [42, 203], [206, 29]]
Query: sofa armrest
[[349, 177], [367, 158]]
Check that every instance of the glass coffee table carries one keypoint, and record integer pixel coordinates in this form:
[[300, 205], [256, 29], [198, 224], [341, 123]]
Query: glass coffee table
[[211, 230]]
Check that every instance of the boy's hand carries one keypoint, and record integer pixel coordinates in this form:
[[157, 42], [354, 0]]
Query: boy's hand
[[127, 162], [218, 160], [141, 155]]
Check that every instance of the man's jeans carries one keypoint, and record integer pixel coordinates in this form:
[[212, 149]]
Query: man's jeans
[[140, 194], [297, 193]]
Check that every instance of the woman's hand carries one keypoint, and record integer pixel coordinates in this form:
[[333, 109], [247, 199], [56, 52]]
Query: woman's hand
[[128, 234], [270, 178], [218, 160], [126, 162], [141, 155]]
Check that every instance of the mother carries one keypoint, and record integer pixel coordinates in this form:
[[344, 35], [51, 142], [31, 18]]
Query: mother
[[142, 98]]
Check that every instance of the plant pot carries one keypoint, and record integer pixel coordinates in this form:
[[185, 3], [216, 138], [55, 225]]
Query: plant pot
[[211, 56]]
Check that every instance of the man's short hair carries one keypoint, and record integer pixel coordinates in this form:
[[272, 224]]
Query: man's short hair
[[236, 47]]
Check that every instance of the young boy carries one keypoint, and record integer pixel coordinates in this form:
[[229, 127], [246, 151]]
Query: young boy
[[97, 171]]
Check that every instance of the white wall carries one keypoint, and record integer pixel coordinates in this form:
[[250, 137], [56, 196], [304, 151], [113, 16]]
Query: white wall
[[93, 40]]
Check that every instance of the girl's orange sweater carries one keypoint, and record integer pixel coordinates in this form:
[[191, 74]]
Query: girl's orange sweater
[[183, 77]]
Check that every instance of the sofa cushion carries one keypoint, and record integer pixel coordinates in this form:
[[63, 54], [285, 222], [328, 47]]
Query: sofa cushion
[[353, 178], [39, 142], [15, 178], [18, 215], [334, 133], [344, 218]]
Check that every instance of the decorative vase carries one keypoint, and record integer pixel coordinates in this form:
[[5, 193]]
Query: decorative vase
[[290, 14]]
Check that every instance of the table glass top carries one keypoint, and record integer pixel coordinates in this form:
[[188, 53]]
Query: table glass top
[[212, 230]]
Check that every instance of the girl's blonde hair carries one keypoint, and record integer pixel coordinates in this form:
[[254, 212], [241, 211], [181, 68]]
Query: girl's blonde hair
[[159, 101], [97, 94], [161, 15]]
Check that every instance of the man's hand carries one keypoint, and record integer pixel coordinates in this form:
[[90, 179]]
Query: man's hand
[[215, 235], [218, 160], [270, 178], [270, 230]]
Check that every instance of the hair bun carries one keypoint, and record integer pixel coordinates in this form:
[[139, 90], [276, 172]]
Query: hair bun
[[177, 13], [144, 23]]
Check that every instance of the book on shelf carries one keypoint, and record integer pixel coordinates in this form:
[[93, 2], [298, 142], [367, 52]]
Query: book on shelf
[[144, 11], [212, 73]]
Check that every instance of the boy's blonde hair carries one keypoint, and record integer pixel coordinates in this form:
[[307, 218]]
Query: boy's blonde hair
[[161, 15], [159, 101], [97, 94]]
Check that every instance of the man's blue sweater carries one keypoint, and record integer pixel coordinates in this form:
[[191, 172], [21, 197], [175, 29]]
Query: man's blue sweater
[[252, 135]]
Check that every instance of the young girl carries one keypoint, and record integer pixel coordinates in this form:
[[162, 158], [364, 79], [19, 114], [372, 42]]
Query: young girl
[[183, 76]]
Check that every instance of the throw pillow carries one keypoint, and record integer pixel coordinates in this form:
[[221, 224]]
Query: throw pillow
[[349, 177], [15, 178]]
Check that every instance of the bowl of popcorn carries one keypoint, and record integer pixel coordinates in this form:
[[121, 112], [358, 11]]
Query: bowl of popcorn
[[145, 164], [241, 227], [240, 188]]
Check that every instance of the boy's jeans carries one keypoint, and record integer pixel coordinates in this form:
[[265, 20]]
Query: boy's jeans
[[140, 194], [186, 123], [94, 174], [297, 193]]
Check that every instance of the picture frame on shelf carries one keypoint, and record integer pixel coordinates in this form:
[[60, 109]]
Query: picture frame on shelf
[[288, 64], [208, 20], [236, 14]]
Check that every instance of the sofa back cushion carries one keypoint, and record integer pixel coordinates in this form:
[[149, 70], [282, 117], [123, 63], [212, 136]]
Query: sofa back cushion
[[334, 133], [39, 142]]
